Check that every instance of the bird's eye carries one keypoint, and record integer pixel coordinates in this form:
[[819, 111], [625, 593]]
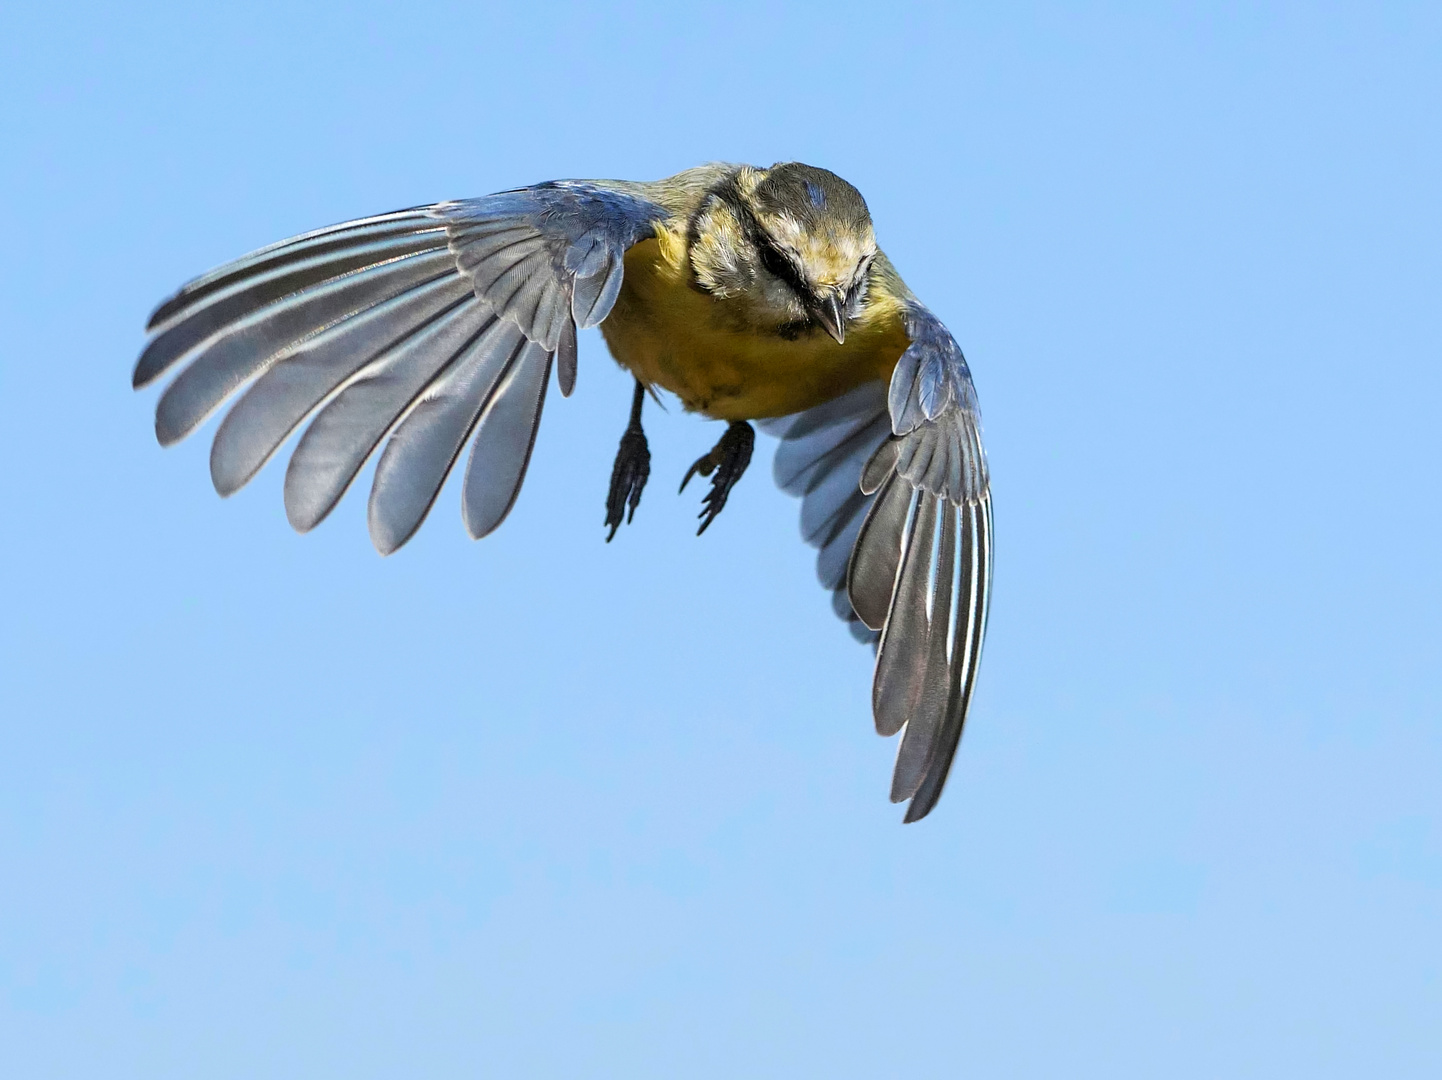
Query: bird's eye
[[857, 293], [780, 266]]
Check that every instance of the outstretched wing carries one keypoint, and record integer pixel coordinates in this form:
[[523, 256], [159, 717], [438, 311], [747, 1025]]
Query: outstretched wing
[[896, 496], [429, 325]]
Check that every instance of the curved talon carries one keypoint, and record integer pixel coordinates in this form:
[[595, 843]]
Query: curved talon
[[728, 460], [703, 465]]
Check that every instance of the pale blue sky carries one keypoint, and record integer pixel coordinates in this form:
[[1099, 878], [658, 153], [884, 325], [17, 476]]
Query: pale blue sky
[[272, 806]]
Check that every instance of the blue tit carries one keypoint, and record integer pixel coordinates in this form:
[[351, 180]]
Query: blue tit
[[751, 294]]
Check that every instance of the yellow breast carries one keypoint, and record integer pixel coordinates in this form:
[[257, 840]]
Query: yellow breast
[[672, 335]]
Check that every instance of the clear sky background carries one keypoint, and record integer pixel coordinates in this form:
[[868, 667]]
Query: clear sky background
[[272, 806]]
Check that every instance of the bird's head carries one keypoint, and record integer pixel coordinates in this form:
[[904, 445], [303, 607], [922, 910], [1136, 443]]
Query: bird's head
[[815, 236], [789, 248]]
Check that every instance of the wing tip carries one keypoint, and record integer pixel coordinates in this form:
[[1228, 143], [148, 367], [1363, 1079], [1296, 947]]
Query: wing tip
[[301, 521], [917, 810], [901, 790], [150, 364], [166, 308], [387, 542], [565, 358], [166, 434], [480, 529]]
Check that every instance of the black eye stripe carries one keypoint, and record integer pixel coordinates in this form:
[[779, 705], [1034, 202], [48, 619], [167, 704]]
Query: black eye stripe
[[772, 261], [778, 264]]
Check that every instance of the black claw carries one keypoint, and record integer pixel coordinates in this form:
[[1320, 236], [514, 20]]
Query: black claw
[[631, 471], [728, 460], [628, 478]]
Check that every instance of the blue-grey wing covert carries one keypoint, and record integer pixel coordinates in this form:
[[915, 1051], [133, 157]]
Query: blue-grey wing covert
[[432, 326], [897, 497]]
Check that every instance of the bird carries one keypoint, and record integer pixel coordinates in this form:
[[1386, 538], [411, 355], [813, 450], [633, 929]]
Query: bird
[[754, 296]]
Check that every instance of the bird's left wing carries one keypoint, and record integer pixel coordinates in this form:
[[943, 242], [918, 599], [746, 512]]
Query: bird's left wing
[[426, 325], [822, 453], [896, 495]]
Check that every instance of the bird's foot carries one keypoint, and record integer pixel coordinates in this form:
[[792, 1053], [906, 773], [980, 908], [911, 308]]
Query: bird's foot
[[628, 478], [728, 461], [632, 468]]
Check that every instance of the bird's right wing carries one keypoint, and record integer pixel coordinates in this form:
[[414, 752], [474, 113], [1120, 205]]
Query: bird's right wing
[[896, 495], [429, 325]]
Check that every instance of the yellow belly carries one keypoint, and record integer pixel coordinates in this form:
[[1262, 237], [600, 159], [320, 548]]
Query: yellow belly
[[671, 335]]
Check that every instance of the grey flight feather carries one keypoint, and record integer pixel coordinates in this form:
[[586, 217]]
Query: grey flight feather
[[505, 436], [936, 619], [424, 446], [918, 742], [430, 325], [277, 402], [354, 422], [332, 238], [245, 348], [213, 301], [974, 572], [820, 458], [896, 495]]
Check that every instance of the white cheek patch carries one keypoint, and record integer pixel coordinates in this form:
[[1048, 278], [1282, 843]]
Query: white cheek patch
[[715, 258]]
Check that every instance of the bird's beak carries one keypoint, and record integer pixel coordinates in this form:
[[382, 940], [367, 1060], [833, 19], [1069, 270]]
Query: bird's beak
[[828, 314]]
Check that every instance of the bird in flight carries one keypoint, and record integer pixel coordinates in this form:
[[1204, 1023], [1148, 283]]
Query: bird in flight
[[751, 294]]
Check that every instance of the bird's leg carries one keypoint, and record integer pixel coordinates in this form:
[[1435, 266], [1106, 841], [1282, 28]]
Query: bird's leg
[[632, 468], [728, 460]]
